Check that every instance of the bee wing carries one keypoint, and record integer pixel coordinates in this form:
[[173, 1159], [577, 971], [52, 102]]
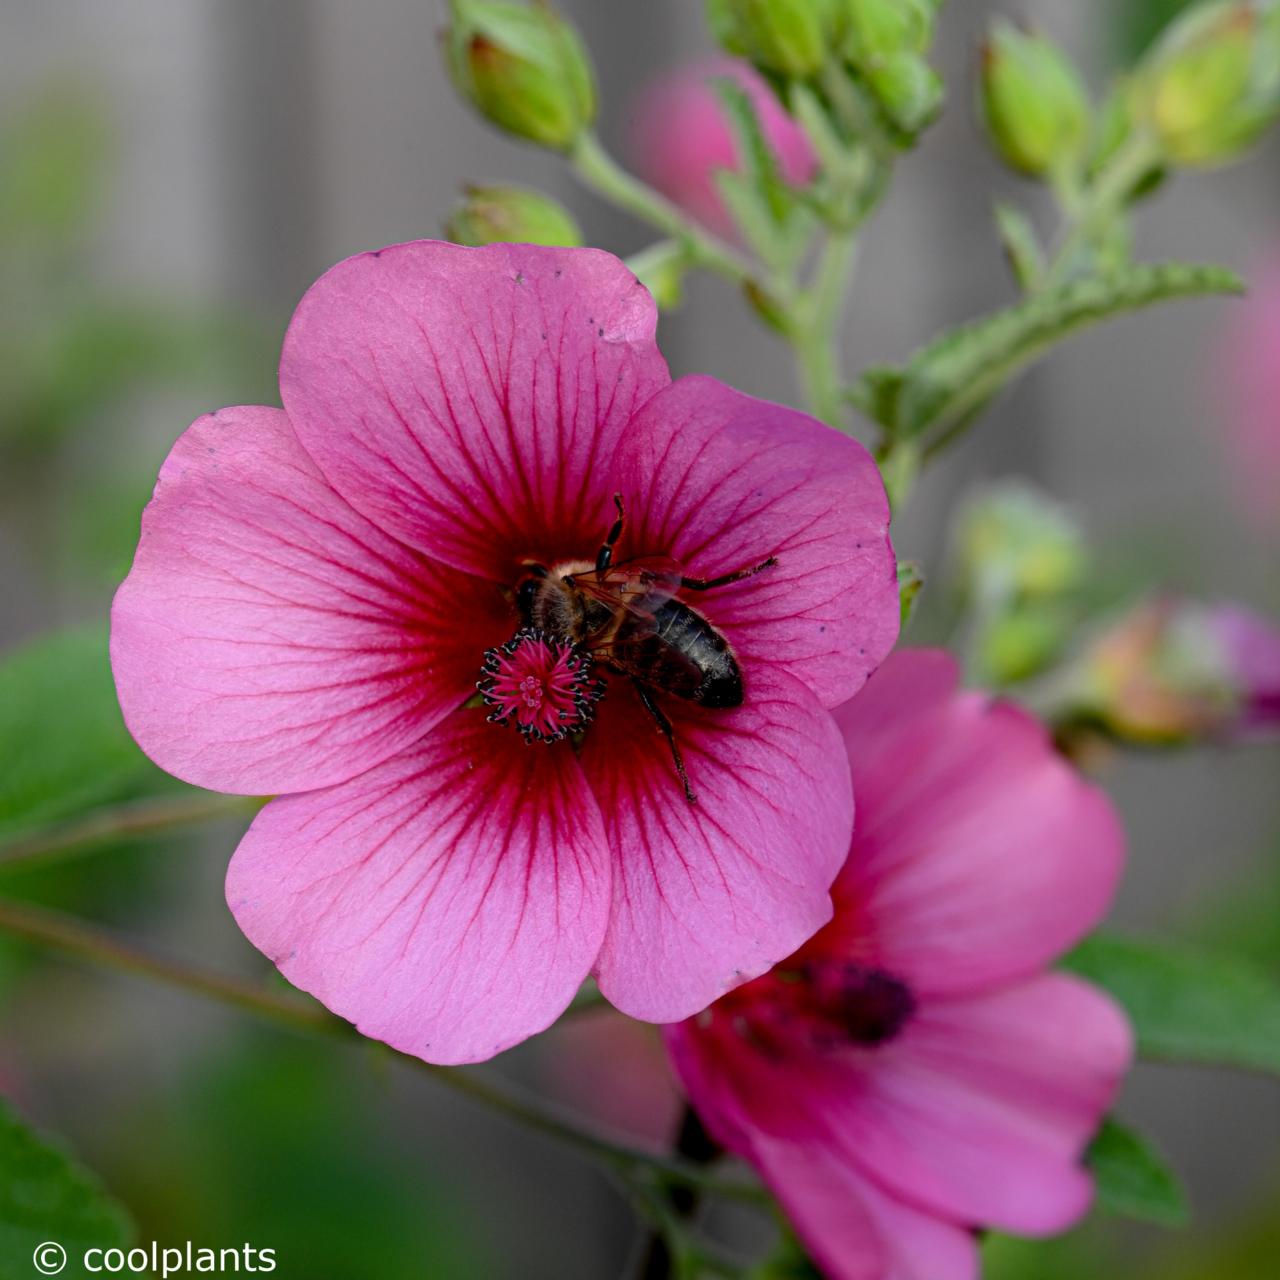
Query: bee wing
[[633, 646], [640, 586]]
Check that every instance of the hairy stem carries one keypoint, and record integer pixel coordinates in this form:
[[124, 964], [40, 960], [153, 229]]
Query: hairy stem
[[126, 821], [597, 169], [815, 338], [100, 947], [1101, 202]]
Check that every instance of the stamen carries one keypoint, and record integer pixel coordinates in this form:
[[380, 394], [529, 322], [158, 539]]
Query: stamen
[[541, 685], [827, 1004]]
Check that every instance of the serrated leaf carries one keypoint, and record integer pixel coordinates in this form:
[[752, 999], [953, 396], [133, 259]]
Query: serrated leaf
[[1188, 1005], [1021, 247], [63, 744], [1133, 1179], [959, 371], [46, 1198]]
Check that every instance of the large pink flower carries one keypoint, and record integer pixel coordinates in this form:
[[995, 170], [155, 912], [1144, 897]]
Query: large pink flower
[[681, 137], [912, 1072], [318, 590]]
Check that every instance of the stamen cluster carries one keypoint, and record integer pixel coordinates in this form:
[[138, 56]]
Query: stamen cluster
[[541, 685]]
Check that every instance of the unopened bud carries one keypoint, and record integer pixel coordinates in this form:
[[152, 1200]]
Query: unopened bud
[[876, 29], [789, 37], [1032, 101], [523, 68], [1015, 542], [1211, 85], [907, 89], [511, 215], [1175, 671]]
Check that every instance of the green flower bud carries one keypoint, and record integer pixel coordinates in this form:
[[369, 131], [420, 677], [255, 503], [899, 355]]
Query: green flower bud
[[1211, 85], [1016, 543], [789, 37], [908, 90], [882, 28], [1033, 103], [511, 215], [523, 68]]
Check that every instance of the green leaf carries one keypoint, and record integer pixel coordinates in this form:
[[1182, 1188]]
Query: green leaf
[[1188, 1005], [910, 584], [958, 372], [63, 744], [45, 1197], [1132, 1178]]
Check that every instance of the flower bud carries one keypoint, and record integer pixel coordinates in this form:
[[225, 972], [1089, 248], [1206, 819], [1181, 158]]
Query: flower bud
[[877, 29], [523, 68], [1211, 85], [908, 90], [1015, 543], [789, 37], [1032, 101], [1175, 671], [502, 215]]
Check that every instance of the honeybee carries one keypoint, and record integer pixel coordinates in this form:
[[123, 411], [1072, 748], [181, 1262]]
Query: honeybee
[[627, 615]]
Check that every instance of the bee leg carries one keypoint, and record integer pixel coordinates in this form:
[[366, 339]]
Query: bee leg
[[667, 730], [604, 557], [710, 584]]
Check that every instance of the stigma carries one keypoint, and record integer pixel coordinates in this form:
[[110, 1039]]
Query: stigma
[[541, 685]]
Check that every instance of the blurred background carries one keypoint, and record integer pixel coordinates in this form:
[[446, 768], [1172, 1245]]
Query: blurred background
[[173, 174]]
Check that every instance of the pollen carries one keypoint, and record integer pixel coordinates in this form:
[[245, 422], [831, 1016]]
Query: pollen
[[543, 686]]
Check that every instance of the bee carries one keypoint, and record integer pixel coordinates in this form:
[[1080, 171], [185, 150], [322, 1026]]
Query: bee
[[627, 615]]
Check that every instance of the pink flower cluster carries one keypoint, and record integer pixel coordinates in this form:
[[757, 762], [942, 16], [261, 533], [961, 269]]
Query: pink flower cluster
[[485, 505]]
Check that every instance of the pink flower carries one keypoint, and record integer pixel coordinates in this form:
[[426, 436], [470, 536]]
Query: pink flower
[[912, 1072], [1250, 375], [318, 590], [681, 138]]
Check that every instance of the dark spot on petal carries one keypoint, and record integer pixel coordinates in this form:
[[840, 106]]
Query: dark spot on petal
[[519, 277], [599, 333]]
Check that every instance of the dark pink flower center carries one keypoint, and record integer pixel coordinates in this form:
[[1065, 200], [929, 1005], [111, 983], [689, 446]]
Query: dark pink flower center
[[542, 686], [824, 1004]]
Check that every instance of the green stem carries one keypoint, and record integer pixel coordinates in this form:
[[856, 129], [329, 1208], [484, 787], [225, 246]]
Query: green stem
[[100, 947], [815, 336], [597, 169], [124, 822], [1099, 204]]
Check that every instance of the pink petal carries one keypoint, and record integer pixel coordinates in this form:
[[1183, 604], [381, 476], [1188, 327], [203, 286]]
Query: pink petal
[[711, 894], [772, 1114], [682, 138], [981, 1110], [468, 400], [448, 902], [855, 1231], [721, 482], [980, 855], [268, 638]]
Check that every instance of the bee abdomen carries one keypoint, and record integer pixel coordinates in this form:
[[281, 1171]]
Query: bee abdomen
[[703, 647]]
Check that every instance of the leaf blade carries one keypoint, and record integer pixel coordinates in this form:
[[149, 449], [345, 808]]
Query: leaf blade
[[1133, 1179]]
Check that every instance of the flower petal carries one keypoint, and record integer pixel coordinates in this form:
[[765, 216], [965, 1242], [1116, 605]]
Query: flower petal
[[980, 854], [981, 1110], [448, 902], [721, 482], [269, 638], [710, 894], [770, 1113], [467, 400]]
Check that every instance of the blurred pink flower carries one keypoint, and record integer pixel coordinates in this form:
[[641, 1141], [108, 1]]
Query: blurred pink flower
[[1174, 671], [680, 137], [1250, 364], [912, 1072], [317, 589]]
